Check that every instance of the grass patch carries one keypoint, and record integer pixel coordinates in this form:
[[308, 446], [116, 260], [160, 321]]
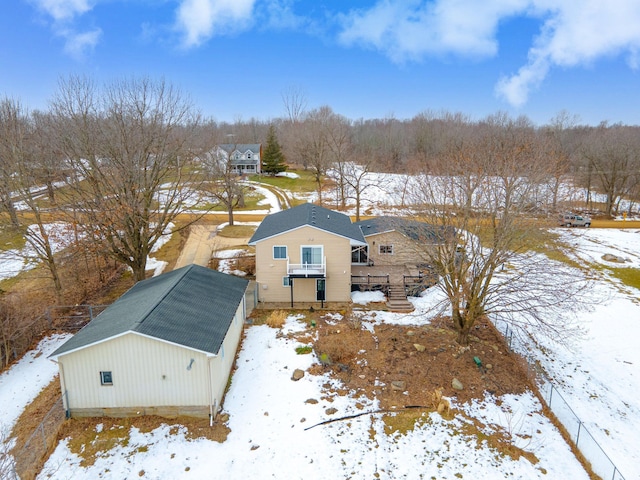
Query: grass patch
[[304, 349], [11, 238], [627, 275], [404, 421], [237, 231], [305, 182]]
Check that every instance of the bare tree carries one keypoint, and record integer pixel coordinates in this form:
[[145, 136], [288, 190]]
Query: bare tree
[[127, 146], [9, 126], [223, 181], [295, 103], [18, 147], [612, 156], [314, 145], [478, 202]]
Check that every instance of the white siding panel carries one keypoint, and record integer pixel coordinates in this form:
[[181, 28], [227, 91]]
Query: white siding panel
[[145, 372]]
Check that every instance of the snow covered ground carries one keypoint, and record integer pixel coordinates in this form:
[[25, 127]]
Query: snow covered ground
[[268, 412], [270, 416]]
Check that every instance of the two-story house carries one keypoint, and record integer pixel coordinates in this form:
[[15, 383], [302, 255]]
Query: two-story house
[[245, 157], [305, 254]]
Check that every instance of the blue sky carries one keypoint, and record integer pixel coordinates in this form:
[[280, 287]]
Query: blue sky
[[365, 59]]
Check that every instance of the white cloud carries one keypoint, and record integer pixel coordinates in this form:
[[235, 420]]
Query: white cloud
[[77, 44], [411, 29], [199, 20], [576, 34], [63, 9], [573, 33]]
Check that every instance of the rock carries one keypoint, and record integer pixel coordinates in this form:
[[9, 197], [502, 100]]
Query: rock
[[488, 366], [410, 333], [613, 258], [418, 347], [302, 420], [223, 417], [312, 401], [457, 384], [266, 414], [362, 377], [330, 411], [398, 385], [297, 374], [255, 447]]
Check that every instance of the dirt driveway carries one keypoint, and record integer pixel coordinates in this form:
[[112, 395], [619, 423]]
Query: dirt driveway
[[201, 243]]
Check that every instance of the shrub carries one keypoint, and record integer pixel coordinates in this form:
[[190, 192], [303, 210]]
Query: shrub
[[304, 349], [277, 318]]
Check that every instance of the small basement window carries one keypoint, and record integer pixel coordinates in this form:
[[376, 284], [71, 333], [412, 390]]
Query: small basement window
[[386, 250], [287, 282], [106, 378]]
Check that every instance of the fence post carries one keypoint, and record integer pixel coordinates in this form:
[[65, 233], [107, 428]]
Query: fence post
[[578, 435], [550, 393]]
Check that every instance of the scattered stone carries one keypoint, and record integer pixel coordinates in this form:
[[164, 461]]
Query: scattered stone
[[297, 374], [255, 447], [398, 385], [410, 333], [266, 414], [223, 417], [457, 384], [488, 366], [418, 347], [330, 411], [362, 377], [312, 401], [302, 420]]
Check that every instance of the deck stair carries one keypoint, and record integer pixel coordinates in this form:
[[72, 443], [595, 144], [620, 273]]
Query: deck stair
[[397, 299]]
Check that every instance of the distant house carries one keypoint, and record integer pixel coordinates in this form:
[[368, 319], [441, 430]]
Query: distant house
[[396, 241], [305, 254], [165, 347], [246, 158]]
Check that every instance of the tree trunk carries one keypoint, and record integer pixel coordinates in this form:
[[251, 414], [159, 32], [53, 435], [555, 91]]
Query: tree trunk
[[230, 216]]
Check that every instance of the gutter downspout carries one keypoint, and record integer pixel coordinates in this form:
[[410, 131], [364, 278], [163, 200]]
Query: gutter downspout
[[63, 388], [210, 388]]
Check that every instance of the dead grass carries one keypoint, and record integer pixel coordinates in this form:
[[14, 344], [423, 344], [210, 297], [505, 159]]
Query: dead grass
[[277, 318], [91, 437], [237, 231]]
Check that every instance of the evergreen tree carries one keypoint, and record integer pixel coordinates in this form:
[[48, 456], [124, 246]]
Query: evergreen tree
[[273, 160]]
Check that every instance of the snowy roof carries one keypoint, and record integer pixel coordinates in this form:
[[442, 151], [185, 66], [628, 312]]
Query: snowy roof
[[192, 306]]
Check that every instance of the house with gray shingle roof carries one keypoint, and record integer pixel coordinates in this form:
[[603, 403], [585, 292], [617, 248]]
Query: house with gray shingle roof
[[396, 240], [246, 158], [304, 254], [165, 347]]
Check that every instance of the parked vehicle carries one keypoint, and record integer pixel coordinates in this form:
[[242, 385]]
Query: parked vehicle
[[573, 220]]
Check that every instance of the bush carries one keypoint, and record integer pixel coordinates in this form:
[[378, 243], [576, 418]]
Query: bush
[[304, 349], [277, 318]]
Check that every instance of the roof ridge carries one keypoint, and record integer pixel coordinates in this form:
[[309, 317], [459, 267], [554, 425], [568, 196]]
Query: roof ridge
[[174, 284]]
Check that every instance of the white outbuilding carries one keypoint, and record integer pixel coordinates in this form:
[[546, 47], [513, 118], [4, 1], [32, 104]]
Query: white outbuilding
[[166, 347]]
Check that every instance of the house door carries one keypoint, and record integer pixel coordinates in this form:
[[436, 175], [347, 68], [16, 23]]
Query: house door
[[321, 284]]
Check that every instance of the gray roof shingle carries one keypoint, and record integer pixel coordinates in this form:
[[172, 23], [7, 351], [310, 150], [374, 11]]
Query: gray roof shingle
[[192, 306], [311, 215], [412, 229]]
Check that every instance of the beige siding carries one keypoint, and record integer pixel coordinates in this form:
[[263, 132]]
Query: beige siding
[[405, 250], [147, 373], [269, 271]]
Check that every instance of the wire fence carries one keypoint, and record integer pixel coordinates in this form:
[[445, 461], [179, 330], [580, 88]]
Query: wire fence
[[584, 441], [27, 461]]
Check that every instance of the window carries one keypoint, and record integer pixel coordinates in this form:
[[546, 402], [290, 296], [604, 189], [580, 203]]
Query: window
[[386, 249], [106, 378], [279, 252], [311, 255], [287, 282], [249, 155]]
